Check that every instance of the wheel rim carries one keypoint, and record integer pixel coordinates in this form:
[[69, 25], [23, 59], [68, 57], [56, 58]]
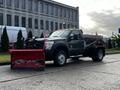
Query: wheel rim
[[61, 59], [100, 54]]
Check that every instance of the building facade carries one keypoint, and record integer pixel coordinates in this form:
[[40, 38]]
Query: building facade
[[38, 15]]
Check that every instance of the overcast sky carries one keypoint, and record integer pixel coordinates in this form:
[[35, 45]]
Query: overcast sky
[[101, 16]]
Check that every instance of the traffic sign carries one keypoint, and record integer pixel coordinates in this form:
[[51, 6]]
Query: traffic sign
[[118, 30]]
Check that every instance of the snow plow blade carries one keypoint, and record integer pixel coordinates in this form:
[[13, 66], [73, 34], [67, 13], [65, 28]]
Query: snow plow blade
[[27, 59]]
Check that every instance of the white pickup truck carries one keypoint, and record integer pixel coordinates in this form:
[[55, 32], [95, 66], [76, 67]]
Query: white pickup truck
[[12, 32]]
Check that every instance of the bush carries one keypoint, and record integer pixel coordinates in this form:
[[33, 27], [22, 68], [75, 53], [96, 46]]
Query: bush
[[20, 40], [4, 40]]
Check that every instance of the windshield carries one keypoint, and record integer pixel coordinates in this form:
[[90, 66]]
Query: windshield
[[60, 33]]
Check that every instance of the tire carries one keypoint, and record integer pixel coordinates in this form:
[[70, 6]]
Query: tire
[[60, 58], [98, 55]]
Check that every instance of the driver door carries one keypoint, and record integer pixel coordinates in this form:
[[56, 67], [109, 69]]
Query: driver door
[[76, 43]]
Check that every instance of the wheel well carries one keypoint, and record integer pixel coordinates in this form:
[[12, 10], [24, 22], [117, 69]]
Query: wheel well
[[61, 48], [90, 51]]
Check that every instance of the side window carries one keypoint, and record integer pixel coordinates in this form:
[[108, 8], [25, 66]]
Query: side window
[[76, 35]]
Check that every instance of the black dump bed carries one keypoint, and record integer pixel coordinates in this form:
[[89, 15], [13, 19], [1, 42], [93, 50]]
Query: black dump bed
[[92, 38]]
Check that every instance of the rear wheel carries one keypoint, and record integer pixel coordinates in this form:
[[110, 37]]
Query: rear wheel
[[98, 55], [60, 58]]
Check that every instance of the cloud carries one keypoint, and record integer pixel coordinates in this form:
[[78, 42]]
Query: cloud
[[106, 22]]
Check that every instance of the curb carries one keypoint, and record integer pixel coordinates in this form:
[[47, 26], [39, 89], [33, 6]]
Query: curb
[[112, 53], [4, 63]]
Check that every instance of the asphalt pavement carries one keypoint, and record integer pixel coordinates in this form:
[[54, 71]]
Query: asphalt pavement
[[82, 74]]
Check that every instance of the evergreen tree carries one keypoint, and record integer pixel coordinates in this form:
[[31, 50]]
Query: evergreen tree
[[20, 40], [30, 35], [116, 39], [4, 40], [42, 35]]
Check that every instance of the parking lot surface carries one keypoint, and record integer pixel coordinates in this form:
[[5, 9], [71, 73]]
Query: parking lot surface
[[82, 74]]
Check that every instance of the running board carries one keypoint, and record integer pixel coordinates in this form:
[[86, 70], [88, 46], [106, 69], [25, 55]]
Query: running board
[[76, 56]]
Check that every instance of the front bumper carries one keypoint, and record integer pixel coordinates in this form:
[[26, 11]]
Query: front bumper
[[49, 54]]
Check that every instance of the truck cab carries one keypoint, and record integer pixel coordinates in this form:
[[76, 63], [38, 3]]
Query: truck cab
[[72, 40]]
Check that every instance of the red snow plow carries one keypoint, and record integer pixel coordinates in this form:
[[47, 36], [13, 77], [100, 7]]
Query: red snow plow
[[27, 58]]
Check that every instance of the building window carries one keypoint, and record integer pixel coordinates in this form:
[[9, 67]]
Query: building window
[[56, 26], [72, 15], [8, 3], [36, 23], [68, 13], [68, 26], [64, 12], [23, 4], [52, 26], [76, 16], [64, 26], [51, 11], [47, 25], [1, 18], [41, 7], [9, 20], [30, 22], [61, 12], [60, 26], [72, 26], [23, 22], [1, 1], [16, 20], [56, 11], [16, 3], [42, 24], [30, 5], [36, 5], [76, 26], [46, 8]]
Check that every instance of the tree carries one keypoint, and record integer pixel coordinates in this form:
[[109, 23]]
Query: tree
[[109, 44], [20, 40], [30, 35], [4, 40], [116, 39], [42, 35]]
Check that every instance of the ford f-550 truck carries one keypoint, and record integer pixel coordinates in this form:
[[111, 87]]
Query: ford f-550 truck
[[71, 43]]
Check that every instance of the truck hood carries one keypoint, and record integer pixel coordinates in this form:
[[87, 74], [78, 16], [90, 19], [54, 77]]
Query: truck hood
[[55, 39], [51, 39]]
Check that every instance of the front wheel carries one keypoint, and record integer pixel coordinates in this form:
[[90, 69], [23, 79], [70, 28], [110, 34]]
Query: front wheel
[[98, 55], [60, 58]]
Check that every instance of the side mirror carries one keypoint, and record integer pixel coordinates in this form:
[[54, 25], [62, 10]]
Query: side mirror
[[71, 37]]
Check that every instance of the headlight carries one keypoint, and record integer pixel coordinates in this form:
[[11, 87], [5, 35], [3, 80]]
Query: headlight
[[49, 44]]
